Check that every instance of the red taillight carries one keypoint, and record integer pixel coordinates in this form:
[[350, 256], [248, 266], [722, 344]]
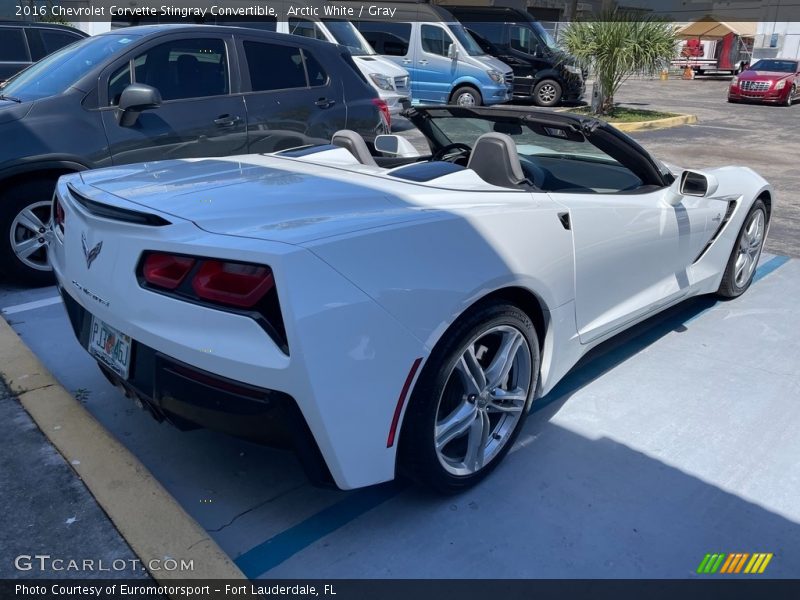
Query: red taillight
[[166, 270], [58, 214], [384, 110], [234, 284]]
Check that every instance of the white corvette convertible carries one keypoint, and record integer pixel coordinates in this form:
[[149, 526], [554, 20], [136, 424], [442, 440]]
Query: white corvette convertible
[[390, 314]]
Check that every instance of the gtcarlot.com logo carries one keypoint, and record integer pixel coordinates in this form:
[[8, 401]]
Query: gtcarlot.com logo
[[734, 562], [47, 563]]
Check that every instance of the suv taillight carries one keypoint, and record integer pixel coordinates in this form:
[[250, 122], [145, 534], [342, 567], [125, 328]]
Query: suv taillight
[[242, 288], [384, 110]]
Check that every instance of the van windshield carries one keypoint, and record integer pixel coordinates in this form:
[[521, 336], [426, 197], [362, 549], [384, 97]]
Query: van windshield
[[347, 35], [544, 35], [465, 39], [56, 73]]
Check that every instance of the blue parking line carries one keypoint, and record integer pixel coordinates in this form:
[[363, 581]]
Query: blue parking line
[[279, 548], [769, 266]]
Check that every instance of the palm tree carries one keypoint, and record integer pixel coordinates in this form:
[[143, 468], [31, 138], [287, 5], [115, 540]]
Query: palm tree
[[617, 46]]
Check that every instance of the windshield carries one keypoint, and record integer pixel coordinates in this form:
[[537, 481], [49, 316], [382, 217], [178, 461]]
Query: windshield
[[544, 35], [55, 74], [465, 39], [541, 141], [776, 66], [347, 35]]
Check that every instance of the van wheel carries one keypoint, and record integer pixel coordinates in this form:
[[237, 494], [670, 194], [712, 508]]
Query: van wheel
[[547, 93], [466, 96], [24, 216]]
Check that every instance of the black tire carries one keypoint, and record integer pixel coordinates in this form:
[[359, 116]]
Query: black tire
[[418, 458], [547, 93], [790, 96], [36, 194], [730, 287], [466, 96], [699, 72]]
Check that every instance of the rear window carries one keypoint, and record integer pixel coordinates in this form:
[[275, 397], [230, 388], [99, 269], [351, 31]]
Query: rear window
[[278, 67], [12, 45]]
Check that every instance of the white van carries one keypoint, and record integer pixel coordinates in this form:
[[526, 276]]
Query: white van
[[390, 79]]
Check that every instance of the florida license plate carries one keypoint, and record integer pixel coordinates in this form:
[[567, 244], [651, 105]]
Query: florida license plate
[[111, 347]]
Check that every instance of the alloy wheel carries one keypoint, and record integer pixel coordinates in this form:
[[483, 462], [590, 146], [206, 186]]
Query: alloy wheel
[[486, 393], [750, 243], [547, 93], [27, 234]]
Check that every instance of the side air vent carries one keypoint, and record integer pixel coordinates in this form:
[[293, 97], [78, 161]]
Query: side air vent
[[720, 227], [115, 213]]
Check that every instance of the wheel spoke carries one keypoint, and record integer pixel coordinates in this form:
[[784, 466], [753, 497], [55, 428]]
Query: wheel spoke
[[28, 219], [502, 362], [455, 424], [471, 370], [476, 443], [741, 267], [27, 247], [510, 401]]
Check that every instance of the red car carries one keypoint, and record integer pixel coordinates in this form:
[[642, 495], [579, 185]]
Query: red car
[[772, 80]]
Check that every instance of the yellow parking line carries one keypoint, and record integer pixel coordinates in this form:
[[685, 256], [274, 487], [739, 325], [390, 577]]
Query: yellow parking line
[[147, 516]]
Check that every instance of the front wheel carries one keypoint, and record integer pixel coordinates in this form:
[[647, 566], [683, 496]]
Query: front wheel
[[24, 215], [471, 399], [743, 261], [466, 96], [790, 96], [547, 93]]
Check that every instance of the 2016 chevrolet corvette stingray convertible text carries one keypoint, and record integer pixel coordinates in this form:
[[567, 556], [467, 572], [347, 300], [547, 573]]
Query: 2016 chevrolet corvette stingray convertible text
[[398, 313]]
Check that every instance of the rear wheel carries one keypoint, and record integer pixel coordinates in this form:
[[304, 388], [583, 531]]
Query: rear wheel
[[547, 93], [24, 215], [471, 399], [466, 96], [744, 258]]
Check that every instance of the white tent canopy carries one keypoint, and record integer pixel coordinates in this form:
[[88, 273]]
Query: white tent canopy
[[708, 27]]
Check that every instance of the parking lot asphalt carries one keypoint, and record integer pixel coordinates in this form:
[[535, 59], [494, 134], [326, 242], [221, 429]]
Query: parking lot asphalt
[[675, 440]]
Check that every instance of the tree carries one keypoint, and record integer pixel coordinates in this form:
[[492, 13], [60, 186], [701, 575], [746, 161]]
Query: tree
[[617, 46]]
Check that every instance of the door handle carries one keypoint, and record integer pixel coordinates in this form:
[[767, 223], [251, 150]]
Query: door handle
[[325, 103], [423, 62], [406, 61], [226, 120]]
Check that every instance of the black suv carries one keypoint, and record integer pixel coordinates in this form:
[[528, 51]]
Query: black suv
[[23, 43], [162, 92], [543, 72]]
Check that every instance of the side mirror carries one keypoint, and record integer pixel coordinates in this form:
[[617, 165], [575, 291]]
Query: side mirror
[[136, 98], [692, 183], [394, 145], [452, 52]]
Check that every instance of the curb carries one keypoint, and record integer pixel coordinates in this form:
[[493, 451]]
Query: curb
[[657, 123], [675, 121], [146, 515]]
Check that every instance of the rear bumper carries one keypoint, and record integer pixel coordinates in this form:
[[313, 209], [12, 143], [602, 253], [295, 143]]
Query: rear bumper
[[189, 398]]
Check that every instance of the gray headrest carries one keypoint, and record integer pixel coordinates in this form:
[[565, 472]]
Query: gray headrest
[[494, 158], [345, 138]]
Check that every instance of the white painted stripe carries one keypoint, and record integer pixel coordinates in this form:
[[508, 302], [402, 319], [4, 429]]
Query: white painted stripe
[[11, 310]]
